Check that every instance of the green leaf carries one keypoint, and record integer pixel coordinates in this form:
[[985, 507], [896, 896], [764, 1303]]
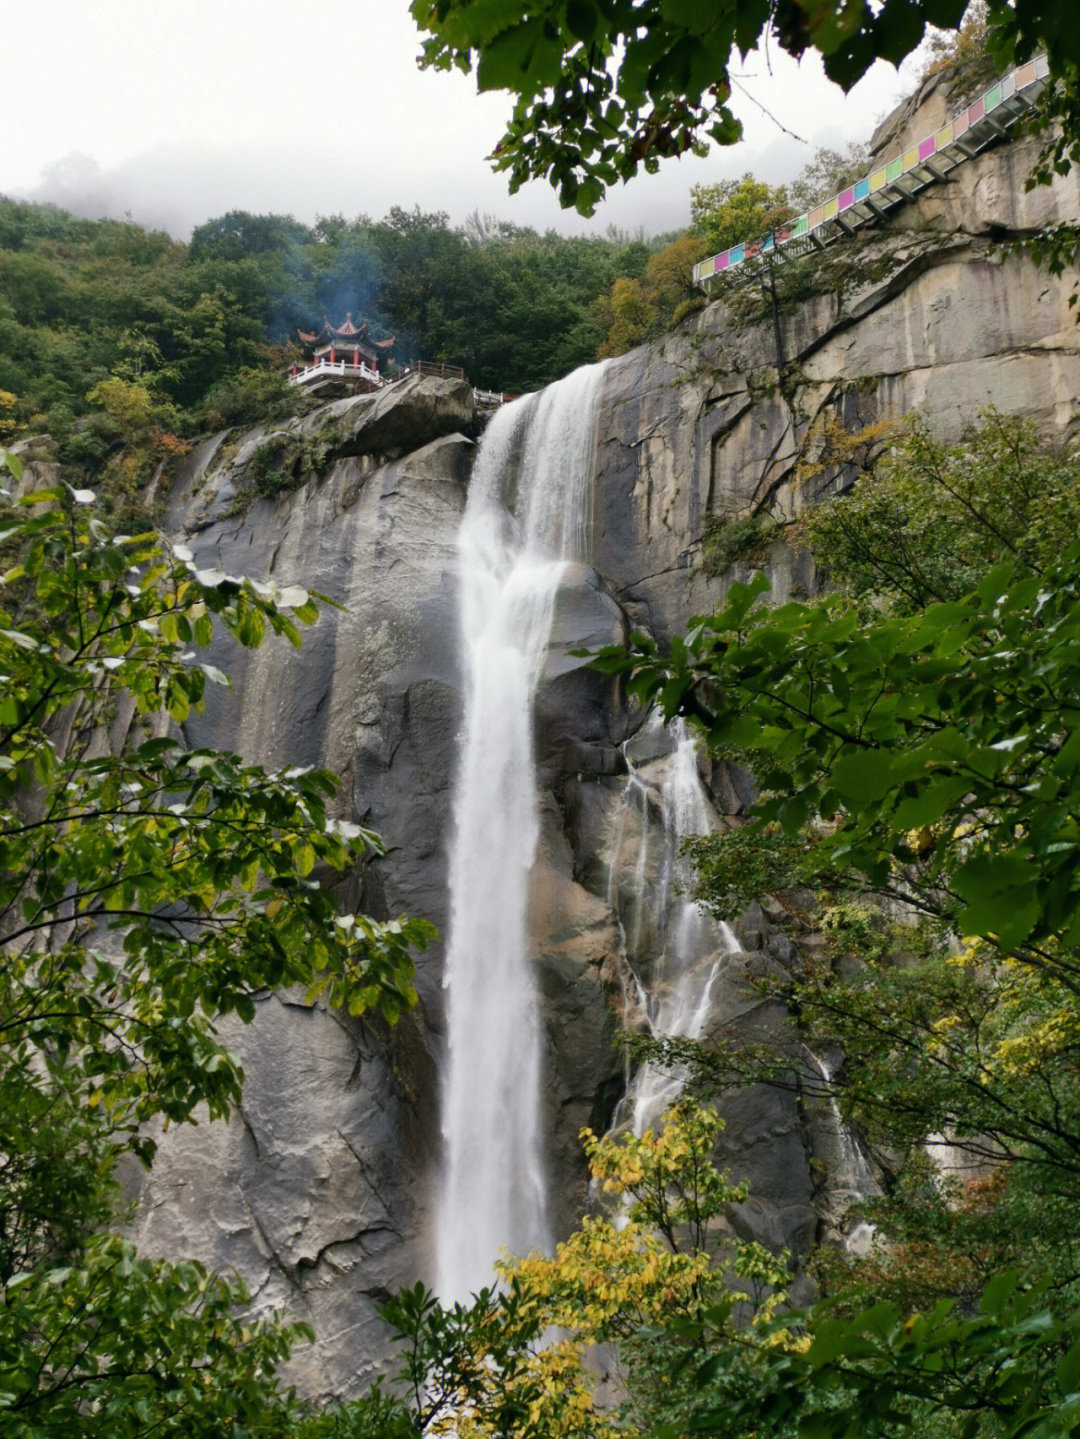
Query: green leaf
[[1068, 1370], [507, 57], [1010, 918], [582, 19], [931, 802], [862, 775], [898, 29], [998, 1292]]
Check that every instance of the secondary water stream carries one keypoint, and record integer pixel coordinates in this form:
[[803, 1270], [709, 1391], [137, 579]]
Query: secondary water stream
[[528, 514], [851, 1179], [684, 945]]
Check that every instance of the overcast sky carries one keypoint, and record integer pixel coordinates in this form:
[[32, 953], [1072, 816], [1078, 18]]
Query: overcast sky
[[178, 110]]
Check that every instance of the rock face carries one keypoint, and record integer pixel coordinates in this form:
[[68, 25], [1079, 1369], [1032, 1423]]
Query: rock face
[[319, 1192], [933, 317]]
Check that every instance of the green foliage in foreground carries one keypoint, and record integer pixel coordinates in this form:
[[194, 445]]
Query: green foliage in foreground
[[916, 741], [958, 717], [603, 90], [146, 890], [117, 1347], [1008, 1369]]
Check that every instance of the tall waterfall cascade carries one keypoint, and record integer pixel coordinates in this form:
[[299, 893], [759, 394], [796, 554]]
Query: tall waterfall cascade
[[528, 514]]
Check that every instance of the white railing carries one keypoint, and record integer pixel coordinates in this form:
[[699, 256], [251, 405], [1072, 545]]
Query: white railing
[[321, 369], [487, 399]]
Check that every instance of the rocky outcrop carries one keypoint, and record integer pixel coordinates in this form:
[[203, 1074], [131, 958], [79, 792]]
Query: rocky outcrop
[[319, 1192], [933, 315]]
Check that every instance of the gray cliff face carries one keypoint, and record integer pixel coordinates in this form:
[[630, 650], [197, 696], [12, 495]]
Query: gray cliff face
[[933, 318], [320, 1191], [317, 1192]]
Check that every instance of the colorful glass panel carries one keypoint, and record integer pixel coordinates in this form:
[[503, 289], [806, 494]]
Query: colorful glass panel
[[1019, 79], [1025, 75]]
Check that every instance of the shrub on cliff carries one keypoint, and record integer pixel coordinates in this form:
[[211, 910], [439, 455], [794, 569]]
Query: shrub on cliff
[[638, 309], [522, 1359]]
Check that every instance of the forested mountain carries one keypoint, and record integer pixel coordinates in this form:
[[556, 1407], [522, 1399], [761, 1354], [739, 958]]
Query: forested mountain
[[83, 300]]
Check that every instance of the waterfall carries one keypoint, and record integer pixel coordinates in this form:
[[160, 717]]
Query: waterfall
[[528, 514], [691, 944], [851, 1179]]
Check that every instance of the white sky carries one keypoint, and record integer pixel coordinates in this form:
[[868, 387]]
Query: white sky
[[177, 110]]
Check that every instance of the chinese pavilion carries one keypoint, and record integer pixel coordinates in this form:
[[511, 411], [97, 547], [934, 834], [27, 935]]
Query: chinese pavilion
[[347, 347]]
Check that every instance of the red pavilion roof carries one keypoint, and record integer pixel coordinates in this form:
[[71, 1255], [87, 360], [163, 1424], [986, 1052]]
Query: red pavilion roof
[[346, 333]]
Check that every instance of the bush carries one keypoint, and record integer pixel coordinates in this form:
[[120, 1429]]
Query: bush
[[254, 395], [729, 540]]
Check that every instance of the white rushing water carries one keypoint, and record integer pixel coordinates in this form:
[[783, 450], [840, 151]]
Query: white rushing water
[[528, 514], [851, 1178], [692, 944]]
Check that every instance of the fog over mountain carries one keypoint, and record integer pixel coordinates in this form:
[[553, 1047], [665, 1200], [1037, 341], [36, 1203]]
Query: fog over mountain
[[182, 112]]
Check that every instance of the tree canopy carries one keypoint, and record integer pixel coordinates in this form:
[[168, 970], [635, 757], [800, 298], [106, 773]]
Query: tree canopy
[[607, 87], [121, 343]]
